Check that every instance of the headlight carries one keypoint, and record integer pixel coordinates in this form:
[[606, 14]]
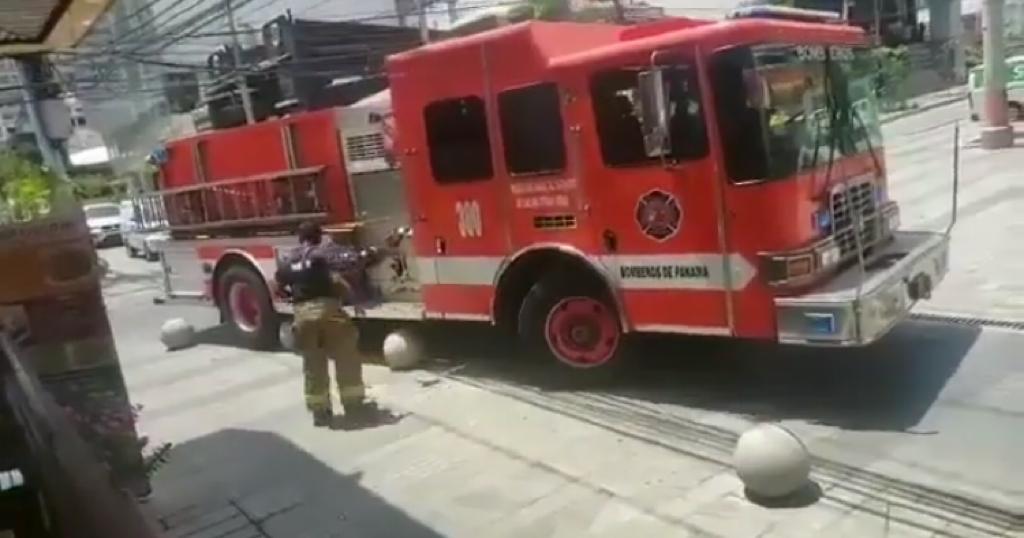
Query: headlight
[[800, 266]]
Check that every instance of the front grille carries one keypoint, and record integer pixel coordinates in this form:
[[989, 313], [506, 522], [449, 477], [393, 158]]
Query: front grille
[[857, 199], [365, 147]]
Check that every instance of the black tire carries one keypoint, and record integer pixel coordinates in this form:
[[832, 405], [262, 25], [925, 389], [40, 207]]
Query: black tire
[[132, 253], [561, 292], [262, 334], [149, 254]]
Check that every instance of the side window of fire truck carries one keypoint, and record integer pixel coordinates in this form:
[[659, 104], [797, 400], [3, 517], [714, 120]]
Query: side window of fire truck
[[615, 95], [531, 129], [460, 149]]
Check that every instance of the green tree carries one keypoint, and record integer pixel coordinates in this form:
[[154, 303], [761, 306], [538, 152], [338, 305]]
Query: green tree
[[551, 10], [26, 189], [893, 72]]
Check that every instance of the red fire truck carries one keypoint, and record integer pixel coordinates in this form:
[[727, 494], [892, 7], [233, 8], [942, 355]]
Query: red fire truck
[[573, 183]]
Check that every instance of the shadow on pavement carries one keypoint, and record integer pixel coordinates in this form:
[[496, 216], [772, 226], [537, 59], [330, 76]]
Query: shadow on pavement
[[249, 483], [112, 277], [218, 335], [887, 386]]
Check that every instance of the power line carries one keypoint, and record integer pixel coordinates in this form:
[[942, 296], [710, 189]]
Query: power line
[[200, 26], [298, 68], [142, 25], [369, 17]]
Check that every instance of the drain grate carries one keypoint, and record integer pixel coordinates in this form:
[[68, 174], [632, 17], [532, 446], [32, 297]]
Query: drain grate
[[970, 321]]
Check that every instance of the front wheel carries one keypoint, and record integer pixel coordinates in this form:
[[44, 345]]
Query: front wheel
[[571, 322], [247, 308]]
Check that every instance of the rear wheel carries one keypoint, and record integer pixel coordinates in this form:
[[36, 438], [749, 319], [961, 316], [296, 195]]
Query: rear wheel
[[132, 253], [247, 308], [572, 322]]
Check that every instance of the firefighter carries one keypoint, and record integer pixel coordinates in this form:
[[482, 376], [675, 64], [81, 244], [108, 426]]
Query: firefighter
[[323, 331]]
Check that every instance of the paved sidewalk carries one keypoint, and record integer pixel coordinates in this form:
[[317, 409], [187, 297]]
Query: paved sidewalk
[[928, 101], [465, 462], [986, 278]]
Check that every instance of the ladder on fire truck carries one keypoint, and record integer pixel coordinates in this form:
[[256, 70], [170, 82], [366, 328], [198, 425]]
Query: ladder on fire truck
[[240, 206]]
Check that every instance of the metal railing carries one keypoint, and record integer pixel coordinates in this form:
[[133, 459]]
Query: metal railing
[[81, 498], [261, 200]]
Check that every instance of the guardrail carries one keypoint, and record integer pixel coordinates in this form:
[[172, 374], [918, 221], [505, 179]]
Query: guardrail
[[81, 498]]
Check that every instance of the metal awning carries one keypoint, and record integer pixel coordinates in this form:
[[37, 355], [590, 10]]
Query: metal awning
[[29, 26]]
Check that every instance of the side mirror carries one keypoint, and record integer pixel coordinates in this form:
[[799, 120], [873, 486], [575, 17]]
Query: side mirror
[[654, 113]]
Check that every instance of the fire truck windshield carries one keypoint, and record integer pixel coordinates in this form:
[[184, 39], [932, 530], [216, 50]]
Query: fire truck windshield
[[786, 109]]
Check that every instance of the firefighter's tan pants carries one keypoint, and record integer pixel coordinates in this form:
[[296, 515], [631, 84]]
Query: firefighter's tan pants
[[324, 331]]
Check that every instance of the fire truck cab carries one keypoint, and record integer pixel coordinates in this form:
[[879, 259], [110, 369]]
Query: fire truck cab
[[575, 182]]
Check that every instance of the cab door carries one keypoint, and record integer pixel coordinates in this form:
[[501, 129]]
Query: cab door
[[447, 147], [658, 213]]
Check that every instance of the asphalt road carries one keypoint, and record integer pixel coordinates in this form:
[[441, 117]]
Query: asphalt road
[[933, 413]]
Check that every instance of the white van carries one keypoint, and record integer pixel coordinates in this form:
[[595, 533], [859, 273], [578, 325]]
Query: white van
[[1014, 89], [141, 235]]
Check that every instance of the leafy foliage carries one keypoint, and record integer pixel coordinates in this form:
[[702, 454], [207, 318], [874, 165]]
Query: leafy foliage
[[26, 189], [108, 432], [893, 72], [98, 187], [550, 10]]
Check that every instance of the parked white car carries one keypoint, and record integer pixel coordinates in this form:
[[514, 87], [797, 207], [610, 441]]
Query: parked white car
[[104, 222], [141, 237], [1014, 89]]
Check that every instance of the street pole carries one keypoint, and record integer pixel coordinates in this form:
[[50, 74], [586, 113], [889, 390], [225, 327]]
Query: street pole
[[421, 7], [620, 13], [996, 131], [53, 160], [878, 24], [240, 76]]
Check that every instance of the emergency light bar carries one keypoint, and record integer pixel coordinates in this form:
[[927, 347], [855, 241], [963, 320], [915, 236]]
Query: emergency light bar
[[783, 12]]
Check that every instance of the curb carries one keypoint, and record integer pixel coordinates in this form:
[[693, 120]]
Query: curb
[[923, 108]]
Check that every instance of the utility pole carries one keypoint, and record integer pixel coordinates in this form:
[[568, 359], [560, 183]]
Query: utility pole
[[620, 13], [421, 7], [240, 76], [996, 131], [29, 88], [878, 23]]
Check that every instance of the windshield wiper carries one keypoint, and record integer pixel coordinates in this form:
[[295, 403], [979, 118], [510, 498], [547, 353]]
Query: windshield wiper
[[867, 139]]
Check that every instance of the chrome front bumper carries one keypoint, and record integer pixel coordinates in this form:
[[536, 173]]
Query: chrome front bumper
[[905, 270]]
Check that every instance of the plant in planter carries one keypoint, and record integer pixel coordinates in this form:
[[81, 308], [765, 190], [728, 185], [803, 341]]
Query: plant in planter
[[893, 72], [26, 189], [111, 432]]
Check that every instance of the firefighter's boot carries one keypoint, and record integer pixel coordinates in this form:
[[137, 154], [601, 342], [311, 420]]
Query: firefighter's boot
[[322, 418], [360, 412]]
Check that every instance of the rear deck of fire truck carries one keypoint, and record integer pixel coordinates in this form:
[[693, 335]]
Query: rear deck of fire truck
[[573, 183]]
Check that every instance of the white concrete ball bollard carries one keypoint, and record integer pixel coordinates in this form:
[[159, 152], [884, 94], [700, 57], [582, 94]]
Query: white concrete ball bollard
[[771, 461], [402, 350], [177, 334], [286, 334]]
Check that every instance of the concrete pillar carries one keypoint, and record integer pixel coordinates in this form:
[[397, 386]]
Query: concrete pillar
[[996, 132], [945, 27], [957, 40], [939, 20]]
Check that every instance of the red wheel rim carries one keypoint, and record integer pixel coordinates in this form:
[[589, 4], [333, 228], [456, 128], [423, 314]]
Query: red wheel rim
[[245, 306], [582, 332]]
